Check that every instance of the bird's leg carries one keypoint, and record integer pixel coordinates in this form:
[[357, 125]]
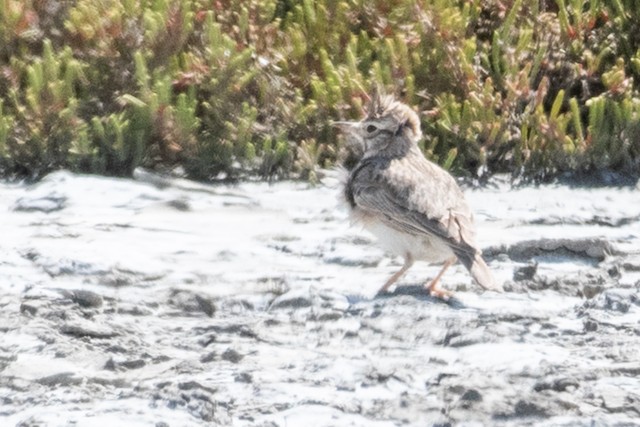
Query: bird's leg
[[408, 262], [434, 286]]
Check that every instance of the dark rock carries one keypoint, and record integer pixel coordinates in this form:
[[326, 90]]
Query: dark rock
[[589, 248], [62, 379], [192, 303], [208, 339], [464, 340], [234, 328], [526, 272], [30, 255], [243, 377], [241, 304], [614, 271], [631, 263], [299, 298], [559, 384], [194, 385], [112, 365], [629, 369], [90, 331], [180, 204], [378, 375], [529, 409], [590, 290], [116, 349], [86, 299], [232, 356], [209, 357], [26, 308], [133, 309], [590, 325], [117, 279], [206, 305], [328, 316], [133, 364], [471, 395]]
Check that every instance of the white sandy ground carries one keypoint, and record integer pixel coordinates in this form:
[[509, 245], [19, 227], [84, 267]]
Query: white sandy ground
[[150, 246]]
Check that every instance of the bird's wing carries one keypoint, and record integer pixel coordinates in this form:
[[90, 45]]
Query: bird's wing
[[424, 200]]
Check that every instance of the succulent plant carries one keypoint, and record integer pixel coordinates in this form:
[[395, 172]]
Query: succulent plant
[[229, 89]]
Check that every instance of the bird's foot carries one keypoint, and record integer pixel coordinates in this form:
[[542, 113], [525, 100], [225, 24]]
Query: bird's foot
[[437, 292]]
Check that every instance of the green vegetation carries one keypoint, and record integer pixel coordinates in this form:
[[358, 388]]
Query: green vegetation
[[230, 89]]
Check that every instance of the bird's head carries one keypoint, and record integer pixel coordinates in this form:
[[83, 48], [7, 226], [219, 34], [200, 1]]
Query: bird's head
[[389, 124]]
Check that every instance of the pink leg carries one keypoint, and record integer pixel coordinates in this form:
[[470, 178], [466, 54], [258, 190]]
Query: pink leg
[[434, 286], [408, 262]]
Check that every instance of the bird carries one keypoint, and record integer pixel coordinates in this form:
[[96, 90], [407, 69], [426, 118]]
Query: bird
[[414, 207]]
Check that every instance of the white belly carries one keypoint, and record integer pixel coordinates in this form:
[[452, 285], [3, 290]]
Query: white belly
[[421, 248]]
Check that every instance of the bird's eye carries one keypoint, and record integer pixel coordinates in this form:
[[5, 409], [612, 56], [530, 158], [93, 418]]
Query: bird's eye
[[371, 129]]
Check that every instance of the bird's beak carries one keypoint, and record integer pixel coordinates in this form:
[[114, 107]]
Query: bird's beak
[[347, 127]]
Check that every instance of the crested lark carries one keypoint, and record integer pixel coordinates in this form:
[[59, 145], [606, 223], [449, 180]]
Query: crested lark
[[414, 207]]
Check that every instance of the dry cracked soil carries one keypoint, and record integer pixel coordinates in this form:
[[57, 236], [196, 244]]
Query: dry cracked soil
[[162, 302]]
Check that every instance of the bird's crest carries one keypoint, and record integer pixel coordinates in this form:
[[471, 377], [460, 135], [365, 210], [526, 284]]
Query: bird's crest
[[382, 106]]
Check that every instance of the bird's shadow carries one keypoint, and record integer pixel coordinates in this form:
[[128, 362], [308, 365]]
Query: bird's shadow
[[417, 291]]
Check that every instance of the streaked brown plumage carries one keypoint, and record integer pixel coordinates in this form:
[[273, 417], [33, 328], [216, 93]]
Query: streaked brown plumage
[[413, 206]]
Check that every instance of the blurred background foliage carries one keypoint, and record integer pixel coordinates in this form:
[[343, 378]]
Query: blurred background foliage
[[228, 89]]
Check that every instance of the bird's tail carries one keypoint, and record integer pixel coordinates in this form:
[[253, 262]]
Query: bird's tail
[[480, 271]]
